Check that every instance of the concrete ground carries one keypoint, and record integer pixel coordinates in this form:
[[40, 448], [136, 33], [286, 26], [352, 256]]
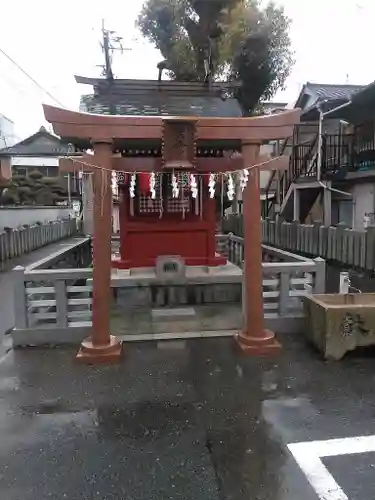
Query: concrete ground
[[191, 420], [184, 420]]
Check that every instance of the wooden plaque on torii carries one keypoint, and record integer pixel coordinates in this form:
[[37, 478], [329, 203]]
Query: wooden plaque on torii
[[179, 144]]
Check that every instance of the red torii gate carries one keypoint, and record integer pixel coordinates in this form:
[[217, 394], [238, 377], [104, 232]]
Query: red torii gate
[[106, 135]]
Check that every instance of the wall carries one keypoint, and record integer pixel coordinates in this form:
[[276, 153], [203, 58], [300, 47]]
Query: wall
[[342, 209], [35, 161], [48, 166], [308, 130], [317, 210], [363, 197], [264, 175], [351, 211], [17, 216]]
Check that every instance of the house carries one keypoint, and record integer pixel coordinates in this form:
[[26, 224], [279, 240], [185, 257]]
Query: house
[[331, 172], [7, 135], [40, 151], [270, 107]]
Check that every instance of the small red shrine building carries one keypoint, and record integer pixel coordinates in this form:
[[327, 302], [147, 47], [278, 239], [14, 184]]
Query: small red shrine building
[[178, 221]]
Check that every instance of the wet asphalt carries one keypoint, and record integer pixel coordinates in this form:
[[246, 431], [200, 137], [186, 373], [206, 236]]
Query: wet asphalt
[[180, 421]]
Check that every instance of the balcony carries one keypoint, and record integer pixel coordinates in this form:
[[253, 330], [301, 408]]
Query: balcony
[[346, 153]]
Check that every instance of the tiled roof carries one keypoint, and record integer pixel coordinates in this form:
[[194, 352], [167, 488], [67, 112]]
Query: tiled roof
[[161, 105], [154, 98], [361, 106], [328, 91], [323, 97], [320, 92], [42, 143]]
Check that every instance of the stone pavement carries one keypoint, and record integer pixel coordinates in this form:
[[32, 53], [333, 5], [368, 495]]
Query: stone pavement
[[176, 420], [198, 318]]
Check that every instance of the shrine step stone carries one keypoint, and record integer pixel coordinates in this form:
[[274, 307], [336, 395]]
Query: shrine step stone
[[172, 313], [165, 295]]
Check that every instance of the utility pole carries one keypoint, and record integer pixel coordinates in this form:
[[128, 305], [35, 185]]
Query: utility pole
[[110, 43], [107, 69]]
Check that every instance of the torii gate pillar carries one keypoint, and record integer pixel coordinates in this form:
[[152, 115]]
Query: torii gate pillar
[[254, 339], [101, 347]]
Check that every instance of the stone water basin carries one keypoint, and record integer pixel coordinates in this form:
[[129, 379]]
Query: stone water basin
[[338, 323]]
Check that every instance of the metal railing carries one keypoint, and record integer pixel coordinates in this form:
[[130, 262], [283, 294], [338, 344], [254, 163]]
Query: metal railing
[[347, 152], [17, 242], [303, 163], [338, 152]]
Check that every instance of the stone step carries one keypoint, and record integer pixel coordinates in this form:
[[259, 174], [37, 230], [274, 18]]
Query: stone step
[[172, 313]]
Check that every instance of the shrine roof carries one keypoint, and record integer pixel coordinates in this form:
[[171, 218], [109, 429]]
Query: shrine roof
[[136, 85], [164, 98]]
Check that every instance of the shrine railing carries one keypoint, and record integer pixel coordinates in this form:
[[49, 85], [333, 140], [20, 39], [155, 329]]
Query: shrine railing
[[52, 298], [53, 304], [287, 278]]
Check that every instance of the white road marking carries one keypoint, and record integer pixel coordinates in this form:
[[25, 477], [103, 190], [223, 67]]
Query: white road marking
[[308, 456]]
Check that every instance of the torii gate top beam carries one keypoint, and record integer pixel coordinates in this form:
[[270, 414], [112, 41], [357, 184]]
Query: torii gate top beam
[[86, 128]]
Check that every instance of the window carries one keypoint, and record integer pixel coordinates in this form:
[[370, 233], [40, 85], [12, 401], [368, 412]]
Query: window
[[20, 171], [342, 211]]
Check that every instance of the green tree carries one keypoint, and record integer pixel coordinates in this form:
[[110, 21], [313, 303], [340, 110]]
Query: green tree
[[33, 189], [227, 39]]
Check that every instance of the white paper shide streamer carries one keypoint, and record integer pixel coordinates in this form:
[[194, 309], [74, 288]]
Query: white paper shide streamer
[[244, 177], [114, 182], [152, 185], [211, 185], [193, 186], [132, 186], [175, 188], [230, 192]]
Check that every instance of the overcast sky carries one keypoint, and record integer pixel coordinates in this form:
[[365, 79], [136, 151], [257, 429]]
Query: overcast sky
[[53, 41]]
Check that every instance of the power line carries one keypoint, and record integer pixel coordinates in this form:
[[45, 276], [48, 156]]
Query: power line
[[31, 78]]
